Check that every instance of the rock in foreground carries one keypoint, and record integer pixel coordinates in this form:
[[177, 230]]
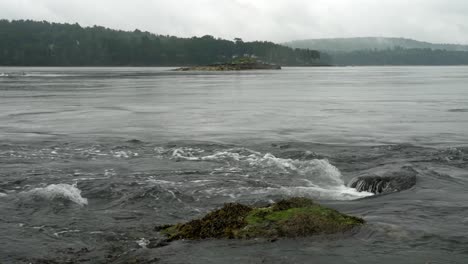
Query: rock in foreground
[[295, 217]]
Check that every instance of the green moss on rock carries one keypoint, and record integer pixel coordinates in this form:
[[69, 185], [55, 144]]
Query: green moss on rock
[[295, 217], [222, 223]]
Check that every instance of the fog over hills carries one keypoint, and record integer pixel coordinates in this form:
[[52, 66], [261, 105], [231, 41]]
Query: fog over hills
[[370, 43], [384, 51]]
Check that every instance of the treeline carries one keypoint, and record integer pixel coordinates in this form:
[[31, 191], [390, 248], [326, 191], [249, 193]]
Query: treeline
[[397, 56], [31, 43], [370, 43]]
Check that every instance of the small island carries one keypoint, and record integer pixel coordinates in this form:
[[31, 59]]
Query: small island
[[294, 217], [239, 64]]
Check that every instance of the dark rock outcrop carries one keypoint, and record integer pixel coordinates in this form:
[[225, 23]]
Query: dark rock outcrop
[[389, 182], [295, 217]]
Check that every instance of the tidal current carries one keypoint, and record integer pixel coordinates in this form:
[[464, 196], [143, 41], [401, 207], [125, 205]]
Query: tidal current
[[92, 159]]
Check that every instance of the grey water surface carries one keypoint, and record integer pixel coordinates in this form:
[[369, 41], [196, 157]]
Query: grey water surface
[[92, 159]]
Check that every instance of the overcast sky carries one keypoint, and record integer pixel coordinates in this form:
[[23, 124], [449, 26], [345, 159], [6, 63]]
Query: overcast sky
[[276, 20]]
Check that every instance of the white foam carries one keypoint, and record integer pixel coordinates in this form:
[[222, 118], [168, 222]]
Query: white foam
[[341, 193], [322, 179], [318, 171], [54, 191], [124, 154], [3, 195], [109, 173], [163, 182], [187, 154], [338, 193], [41, 74], [143, 242], [57, 234], [201, 181]]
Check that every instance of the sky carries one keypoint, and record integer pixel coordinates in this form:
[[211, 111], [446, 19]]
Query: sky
[[440, 21]]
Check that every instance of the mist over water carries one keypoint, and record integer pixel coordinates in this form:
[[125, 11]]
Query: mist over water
[[94, 158]]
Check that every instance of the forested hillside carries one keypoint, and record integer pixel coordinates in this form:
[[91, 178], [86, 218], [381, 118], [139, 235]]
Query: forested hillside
[[370, 43], [30, 43], [398, 56], [385, 51]]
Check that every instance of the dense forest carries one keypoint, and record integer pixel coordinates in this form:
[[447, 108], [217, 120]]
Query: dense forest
[[385, 51], [370, 43], [31, 43], [397, 56]]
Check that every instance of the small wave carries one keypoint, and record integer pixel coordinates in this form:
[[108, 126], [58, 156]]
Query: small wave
[[315, 178], [12, 74], [58, 234], [320, 171], [36, 74], [143, 242], [59, 191], [124, 154], [459, 110], [341, 193], [376, 186], [3, 195], [190, 154]]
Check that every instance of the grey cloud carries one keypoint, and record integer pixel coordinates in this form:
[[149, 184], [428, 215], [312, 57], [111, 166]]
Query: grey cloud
[[276, 20]]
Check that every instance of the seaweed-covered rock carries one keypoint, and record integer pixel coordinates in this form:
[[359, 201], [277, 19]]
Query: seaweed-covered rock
[[295, 217]]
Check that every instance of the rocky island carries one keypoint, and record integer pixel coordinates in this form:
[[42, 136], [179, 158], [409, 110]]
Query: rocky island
[[240, 64], [295, 217]]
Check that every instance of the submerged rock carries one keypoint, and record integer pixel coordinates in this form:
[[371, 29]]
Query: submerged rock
[[295, 217], [390, 182]]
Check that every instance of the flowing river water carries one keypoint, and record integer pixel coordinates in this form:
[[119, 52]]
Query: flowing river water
[[92, 159]]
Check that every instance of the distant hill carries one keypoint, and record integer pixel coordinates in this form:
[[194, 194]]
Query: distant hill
[[370, 43], [384, 51], [32, 43]]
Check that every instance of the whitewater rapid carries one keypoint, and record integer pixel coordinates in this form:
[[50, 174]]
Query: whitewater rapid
[[58, 191], [315, 178]]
